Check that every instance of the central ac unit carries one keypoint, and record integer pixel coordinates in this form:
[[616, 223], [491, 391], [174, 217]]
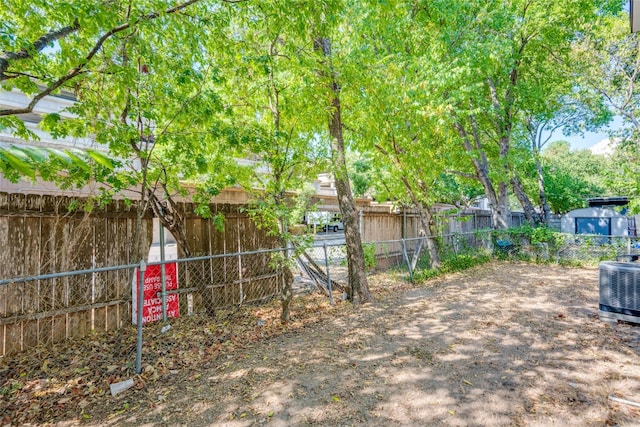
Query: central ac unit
[[620, 291]]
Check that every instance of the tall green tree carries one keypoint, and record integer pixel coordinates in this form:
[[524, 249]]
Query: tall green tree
[[572, 177], [147, 77], [607, 64], [358, 282], [144, 78], [404, 144], [568, 114], [144, 85], [488, 61], [273, 120]]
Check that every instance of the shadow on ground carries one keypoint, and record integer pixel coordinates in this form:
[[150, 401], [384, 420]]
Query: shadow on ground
[[503, 344]]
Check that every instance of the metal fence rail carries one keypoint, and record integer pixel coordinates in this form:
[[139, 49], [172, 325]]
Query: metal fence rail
[[592, 249], [49, 308]]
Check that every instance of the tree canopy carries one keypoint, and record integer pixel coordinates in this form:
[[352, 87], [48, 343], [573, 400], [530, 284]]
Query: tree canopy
[[436, 98]]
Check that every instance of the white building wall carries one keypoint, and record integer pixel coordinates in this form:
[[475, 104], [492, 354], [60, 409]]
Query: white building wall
[[49, 104], [619, 222]]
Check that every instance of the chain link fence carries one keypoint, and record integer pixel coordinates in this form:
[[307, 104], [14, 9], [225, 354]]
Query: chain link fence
[[44, 309], [591, 249], [411, 256], [328, 261], [41, 310]]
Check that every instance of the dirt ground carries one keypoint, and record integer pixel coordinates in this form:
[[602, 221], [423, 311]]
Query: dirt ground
[[504, 344]]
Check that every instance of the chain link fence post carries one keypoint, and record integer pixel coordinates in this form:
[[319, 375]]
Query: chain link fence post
[[406, 258], [326, 264], [163, 275], [143, 268]]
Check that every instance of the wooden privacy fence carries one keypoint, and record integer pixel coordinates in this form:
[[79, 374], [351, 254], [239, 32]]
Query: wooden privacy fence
[[47, 234], [248, 274], [380, 223], [43, 234]]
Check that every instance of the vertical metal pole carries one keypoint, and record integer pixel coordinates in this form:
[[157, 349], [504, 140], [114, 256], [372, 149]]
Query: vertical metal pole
[[406, 259], [143, 268], [240, 277], [285, 227], [163, 275], [404, 223], [326, 264], [287, 245]]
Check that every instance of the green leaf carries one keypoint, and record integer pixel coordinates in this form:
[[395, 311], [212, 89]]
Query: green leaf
[[60, 155], [36, 154], [78, 160], [101, 159], [50, 121], [17, 162]]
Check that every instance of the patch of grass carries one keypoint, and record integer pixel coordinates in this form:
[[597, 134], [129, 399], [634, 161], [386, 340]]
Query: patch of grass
[[452, 264], [370, 260]]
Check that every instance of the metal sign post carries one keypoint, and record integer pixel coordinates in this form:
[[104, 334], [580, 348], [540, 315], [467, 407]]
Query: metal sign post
[[143, 268], [163, 275]]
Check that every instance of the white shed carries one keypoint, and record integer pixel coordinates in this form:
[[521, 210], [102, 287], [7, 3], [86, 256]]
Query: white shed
[[597, 220]]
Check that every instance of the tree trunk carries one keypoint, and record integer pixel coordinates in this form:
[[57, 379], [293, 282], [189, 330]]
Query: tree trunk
[[287, 289], [426, 222], [172, 219], [544, 203], [529, 211], [141, 251], [142, 235], [501, 213], [433, 245], [358, 283], [498, 201]]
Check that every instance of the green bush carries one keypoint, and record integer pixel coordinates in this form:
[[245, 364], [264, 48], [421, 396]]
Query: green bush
[[538, 238], [370, 260], [533, 235]]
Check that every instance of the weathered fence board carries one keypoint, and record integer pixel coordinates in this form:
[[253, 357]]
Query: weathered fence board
[[381, 224], [47, 234]]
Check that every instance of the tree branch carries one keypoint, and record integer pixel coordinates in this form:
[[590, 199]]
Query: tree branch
[[79, 67], [7, 57]]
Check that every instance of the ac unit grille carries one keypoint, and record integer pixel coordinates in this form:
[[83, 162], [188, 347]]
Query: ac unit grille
[[620, 290]]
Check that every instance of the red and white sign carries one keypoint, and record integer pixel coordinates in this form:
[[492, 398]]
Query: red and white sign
[[152, 309]]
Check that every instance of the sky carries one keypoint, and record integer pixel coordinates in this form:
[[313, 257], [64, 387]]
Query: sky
[[580, 142]]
